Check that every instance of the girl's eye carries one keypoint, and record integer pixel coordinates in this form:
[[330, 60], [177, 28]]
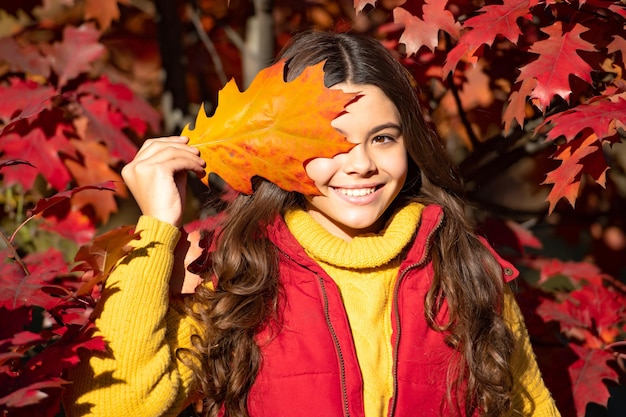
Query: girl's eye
[[382, 139]]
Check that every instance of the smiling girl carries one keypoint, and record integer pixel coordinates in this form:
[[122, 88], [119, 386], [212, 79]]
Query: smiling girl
[[373, 298]]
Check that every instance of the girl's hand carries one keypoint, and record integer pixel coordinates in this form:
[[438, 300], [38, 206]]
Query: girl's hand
[[157, 176]]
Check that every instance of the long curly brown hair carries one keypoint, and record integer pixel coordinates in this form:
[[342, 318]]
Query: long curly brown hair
[[467, 276]]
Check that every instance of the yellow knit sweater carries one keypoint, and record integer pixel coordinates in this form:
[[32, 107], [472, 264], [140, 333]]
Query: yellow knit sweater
[[139, 374]]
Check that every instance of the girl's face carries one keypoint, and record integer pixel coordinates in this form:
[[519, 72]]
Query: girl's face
[[357, 187]]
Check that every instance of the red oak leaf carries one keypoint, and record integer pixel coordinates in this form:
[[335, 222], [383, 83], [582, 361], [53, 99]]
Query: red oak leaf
[[100, 256], [137, 110], [493, 20], [593, 308], [63, 353], [25, 59], [26, 338], [92, 168], [104, 11], [557, 60], [604, 306], [271, 129], [46, 205], [587, 375], [601, 115], [42, 152], [418, 32], [31, 394], [562, 313], [18, 289], [516, 108], [73, 224], [617, 45], [75, 54], [576, 155], [105, 125], [576, 271], [23, 99]]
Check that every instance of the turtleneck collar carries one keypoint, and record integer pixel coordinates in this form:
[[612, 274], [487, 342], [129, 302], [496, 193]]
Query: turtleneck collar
[[364, 251]]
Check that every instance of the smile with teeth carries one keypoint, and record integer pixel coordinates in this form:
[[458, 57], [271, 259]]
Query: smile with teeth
[[356, 192]]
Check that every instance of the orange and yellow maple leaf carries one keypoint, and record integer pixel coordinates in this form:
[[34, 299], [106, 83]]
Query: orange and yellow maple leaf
[[271, 129]]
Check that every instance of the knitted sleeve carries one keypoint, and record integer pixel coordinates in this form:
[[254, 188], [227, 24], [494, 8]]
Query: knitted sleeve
[[531, 397], [139, 374]]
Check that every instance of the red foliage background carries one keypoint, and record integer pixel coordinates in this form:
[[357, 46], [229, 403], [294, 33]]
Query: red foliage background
[[529, 96]]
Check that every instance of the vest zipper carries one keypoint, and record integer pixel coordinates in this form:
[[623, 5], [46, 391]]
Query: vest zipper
[[396, 309], [342, 365], [333, 334]]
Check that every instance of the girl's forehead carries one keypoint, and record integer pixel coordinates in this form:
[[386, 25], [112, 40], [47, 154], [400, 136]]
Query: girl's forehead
[[373, 107]]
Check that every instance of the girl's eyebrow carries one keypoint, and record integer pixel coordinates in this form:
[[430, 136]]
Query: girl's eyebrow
[[377, 129]]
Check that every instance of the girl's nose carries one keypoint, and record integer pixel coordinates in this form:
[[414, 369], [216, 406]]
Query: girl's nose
[[359, 161]]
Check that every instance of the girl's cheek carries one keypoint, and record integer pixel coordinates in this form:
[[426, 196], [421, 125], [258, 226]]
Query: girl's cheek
[[321, 170]]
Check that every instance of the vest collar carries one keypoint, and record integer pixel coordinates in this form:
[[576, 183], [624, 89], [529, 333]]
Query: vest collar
[[431, 219]]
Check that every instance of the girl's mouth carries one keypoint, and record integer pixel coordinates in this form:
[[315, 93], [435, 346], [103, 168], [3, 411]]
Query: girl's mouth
[[355, 192]]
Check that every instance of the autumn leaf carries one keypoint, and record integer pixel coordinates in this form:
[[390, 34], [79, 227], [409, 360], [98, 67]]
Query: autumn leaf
[[557, 60], [482, 29], [516, 108], [592, 365], [137, 110], [92, 168], [106, 125], [75, 54], [73, 224], [617, 45], [271, 129], [592, 307], [63, 353], [41, 151], [103, 11], [47, 204], [575, 156], [602, 305], [31, 394], [23, 58], [601, 115], [23, 99], [418, 32], [575, 271], [562, 313], [18, 289], [100, 256]]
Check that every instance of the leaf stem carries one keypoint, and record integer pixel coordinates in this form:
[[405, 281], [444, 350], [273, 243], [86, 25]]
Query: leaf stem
[[18, 229], [14, 253]]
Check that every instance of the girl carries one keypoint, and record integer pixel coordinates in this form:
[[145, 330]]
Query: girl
[[374, 298]]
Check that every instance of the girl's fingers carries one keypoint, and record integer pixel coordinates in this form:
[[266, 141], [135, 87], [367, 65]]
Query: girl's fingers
[[157, 176], [153, 147]]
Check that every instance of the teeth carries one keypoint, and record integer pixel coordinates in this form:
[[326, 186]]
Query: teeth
[[361, 192]]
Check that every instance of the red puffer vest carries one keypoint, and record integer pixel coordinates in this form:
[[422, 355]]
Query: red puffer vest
[[309, 365]]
